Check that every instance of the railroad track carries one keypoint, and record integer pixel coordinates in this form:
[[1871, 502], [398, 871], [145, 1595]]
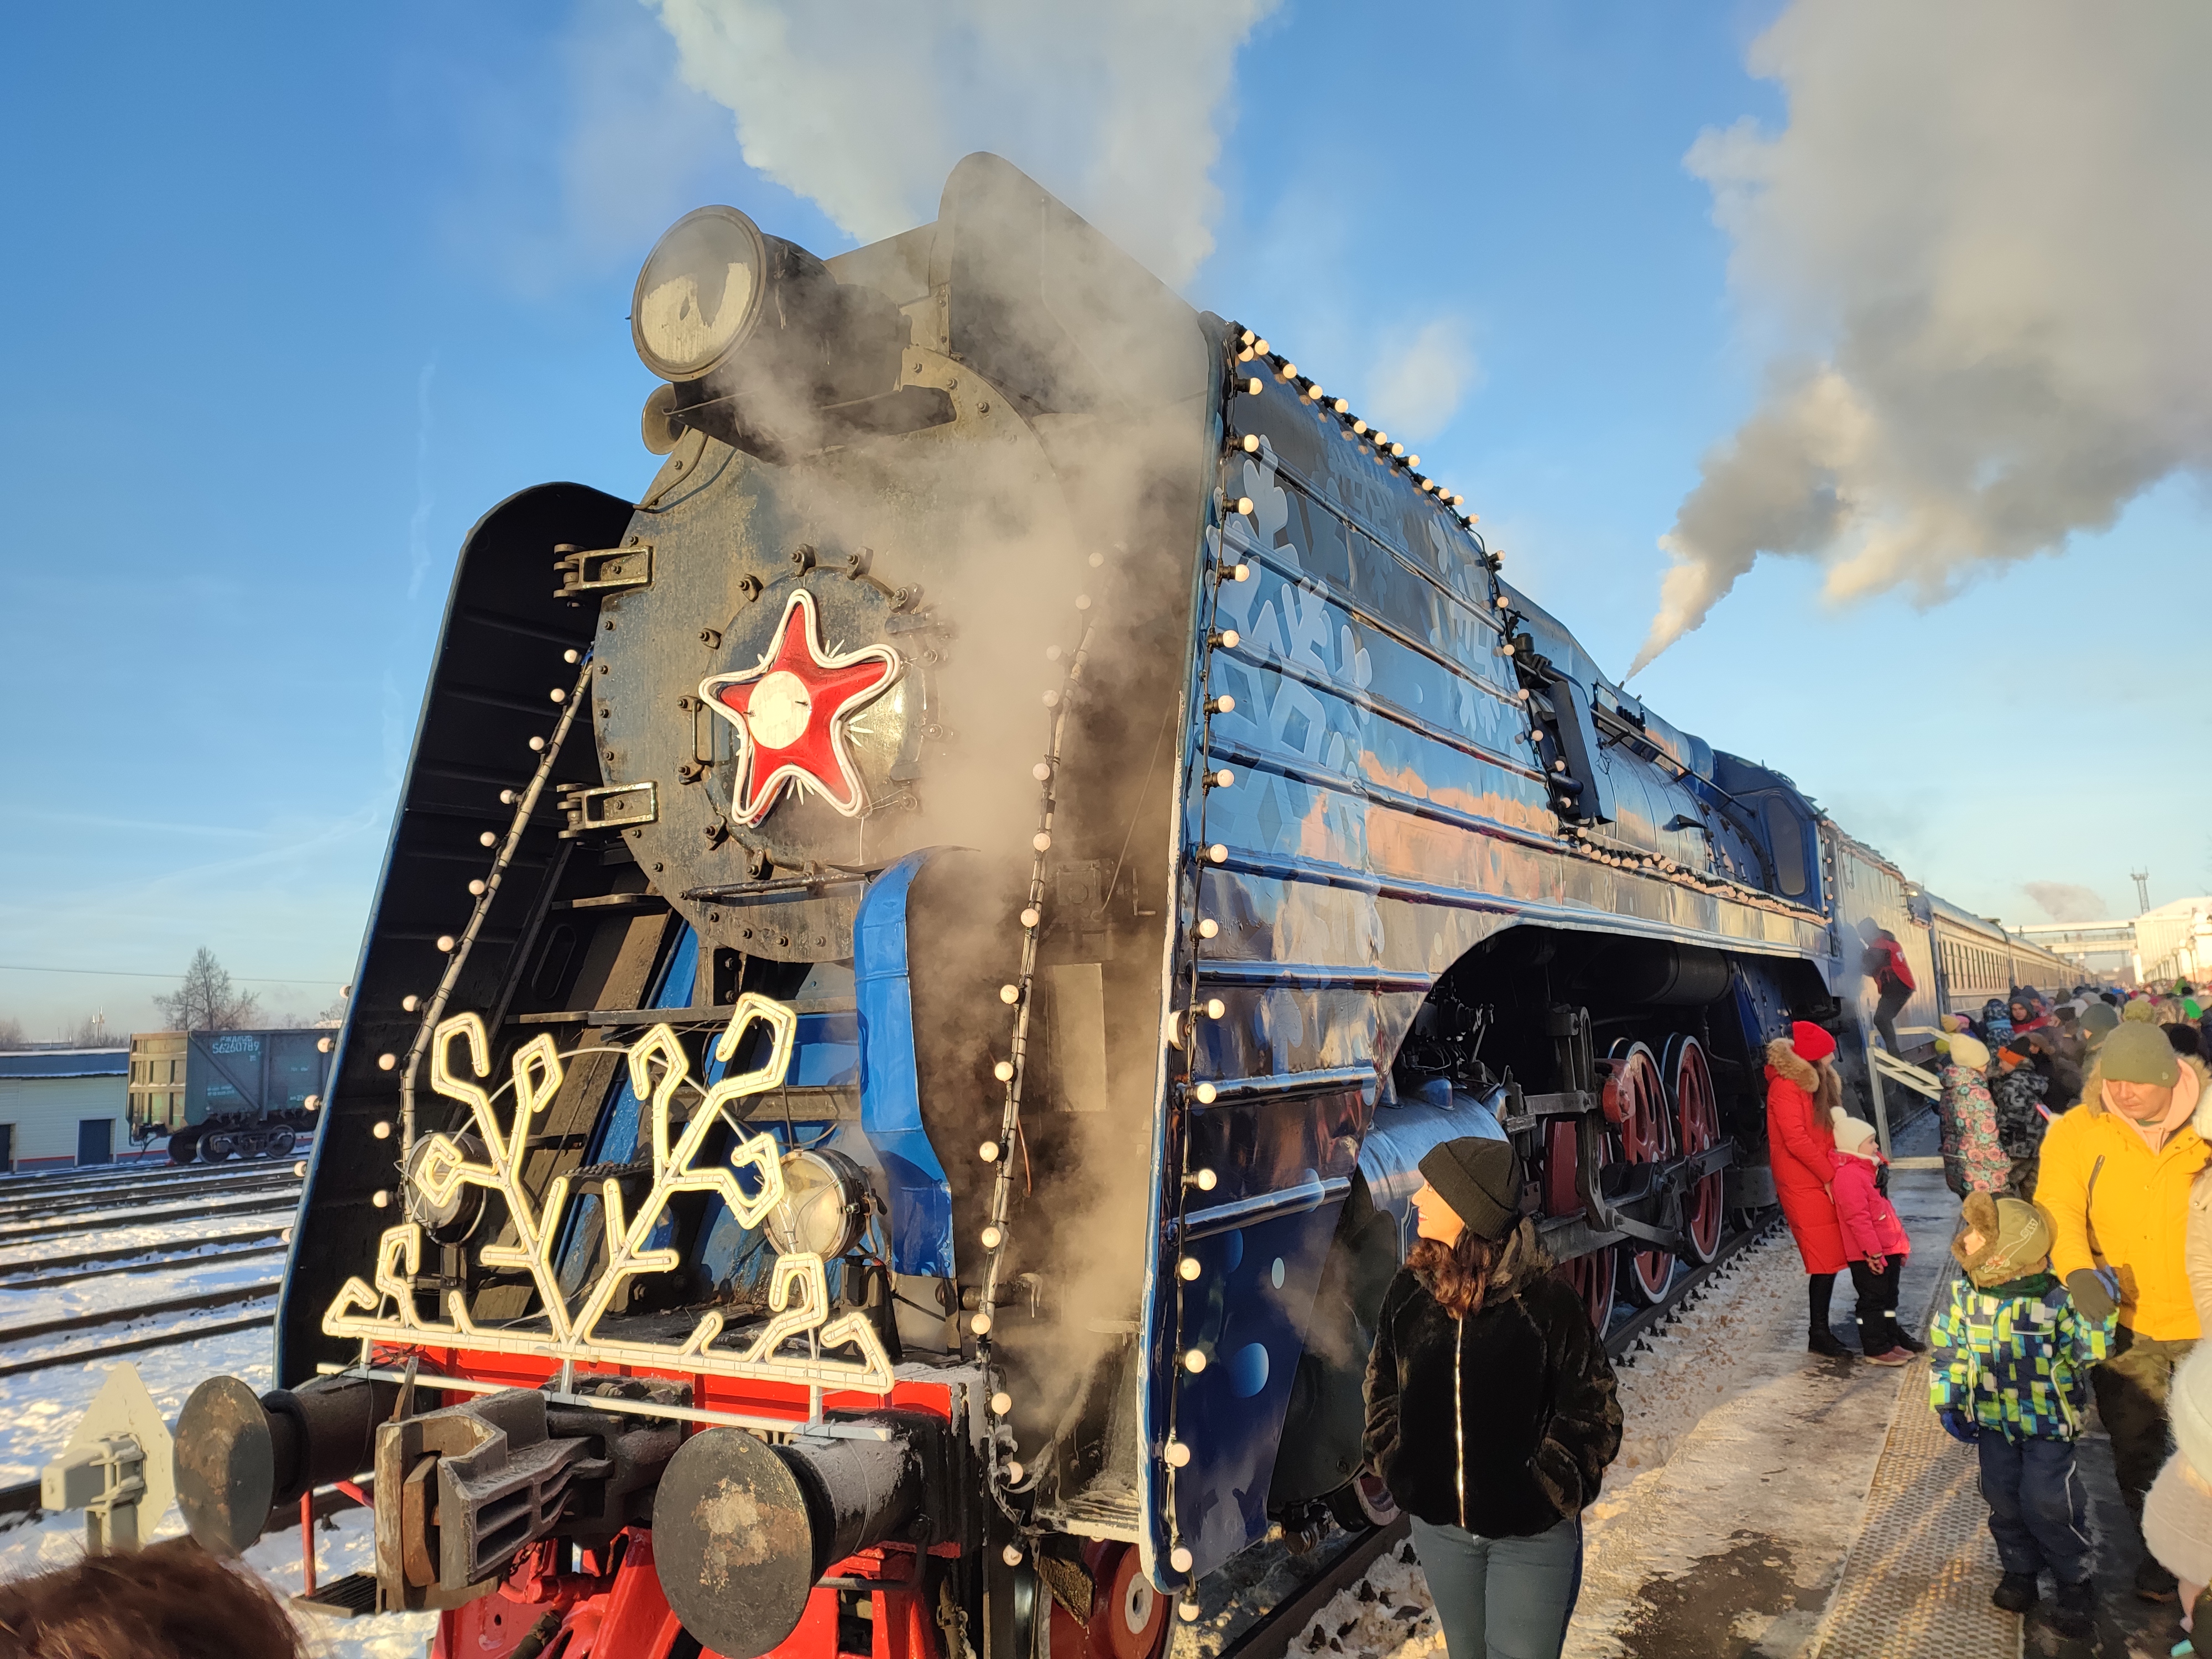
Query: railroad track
[[82, 1355], [126, 1255], [121, 1195], [284, 1201], [93, 1317], [1623, 1337], [47, 1281]]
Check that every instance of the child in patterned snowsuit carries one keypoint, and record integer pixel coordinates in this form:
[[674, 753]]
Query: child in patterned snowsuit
[[2009, 1365], [1973, 1158], [2017, 1088]]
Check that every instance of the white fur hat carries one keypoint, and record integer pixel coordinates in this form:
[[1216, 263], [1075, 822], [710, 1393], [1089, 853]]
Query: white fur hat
[[1969, 1052], [1852, 1132]]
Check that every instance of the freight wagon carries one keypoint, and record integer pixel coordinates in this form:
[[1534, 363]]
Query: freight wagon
[[227, 1094]]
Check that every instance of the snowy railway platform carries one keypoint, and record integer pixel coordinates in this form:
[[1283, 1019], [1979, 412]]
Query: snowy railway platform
[[1765, 1503], [1768, 1503]]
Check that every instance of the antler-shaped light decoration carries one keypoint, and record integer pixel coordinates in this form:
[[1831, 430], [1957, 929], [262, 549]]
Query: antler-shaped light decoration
[[799, 1297]]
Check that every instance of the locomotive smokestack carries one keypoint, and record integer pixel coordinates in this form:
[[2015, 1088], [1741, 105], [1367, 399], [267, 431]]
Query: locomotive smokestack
[[742, 1530]]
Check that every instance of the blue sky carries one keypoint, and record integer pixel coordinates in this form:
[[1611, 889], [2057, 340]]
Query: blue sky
[[293, 295]]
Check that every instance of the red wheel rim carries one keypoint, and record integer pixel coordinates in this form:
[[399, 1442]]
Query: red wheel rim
[[1129, 1617], [1636, 1103], [1595, 1273], [1698, 1124]]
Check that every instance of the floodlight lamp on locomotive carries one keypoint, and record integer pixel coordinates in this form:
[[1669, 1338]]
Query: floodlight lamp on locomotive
[[919, 958]]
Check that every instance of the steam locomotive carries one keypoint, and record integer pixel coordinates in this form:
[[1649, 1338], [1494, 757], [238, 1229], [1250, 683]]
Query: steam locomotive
[[917, 961]]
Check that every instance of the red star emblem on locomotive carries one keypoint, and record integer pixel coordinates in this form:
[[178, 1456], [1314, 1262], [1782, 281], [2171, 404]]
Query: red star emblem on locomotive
[[792, 710]]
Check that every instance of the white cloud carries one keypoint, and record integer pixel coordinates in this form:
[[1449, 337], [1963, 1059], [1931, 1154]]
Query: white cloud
[[1417, 383], [1981, 247], [864, 107]]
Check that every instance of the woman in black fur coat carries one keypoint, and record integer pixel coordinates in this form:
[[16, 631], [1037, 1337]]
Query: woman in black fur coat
[[1491, 1413]]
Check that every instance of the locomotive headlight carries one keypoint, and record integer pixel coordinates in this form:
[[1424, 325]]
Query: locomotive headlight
[[825, 1208], [699, 296]]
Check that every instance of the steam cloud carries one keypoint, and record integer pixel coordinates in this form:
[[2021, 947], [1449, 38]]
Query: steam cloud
[[864, 107], [1417, 386], [1986, 235], [2067, 901]]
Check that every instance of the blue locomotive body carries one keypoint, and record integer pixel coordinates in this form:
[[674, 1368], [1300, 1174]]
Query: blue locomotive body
[[1041, 818]]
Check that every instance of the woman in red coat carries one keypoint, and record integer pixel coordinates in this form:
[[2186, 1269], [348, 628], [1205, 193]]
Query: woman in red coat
[[1804, 1095]]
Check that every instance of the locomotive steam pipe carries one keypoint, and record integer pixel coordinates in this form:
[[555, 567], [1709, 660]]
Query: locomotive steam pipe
[[743, 1531], [239, 1455]]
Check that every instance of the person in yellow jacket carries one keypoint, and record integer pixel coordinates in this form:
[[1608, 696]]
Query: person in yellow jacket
[[2115, 1179]]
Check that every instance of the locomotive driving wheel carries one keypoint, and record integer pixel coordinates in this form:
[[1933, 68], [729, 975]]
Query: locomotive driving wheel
[[1636, 1104], [1595, 1273], [1128, 1617], [1697, 1123]]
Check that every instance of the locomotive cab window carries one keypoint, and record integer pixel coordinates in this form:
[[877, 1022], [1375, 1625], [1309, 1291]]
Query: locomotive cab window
[[1789, 848]]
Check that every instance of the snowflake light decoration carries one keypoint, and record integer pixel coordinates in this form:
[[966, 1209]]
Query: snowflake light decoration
[[798, 1296]]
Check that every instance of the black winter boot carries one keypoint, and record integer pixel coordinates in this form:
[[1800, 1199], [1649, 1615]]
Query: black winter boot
[[1910, 1343], [2154, 1583], [2017, 1592], [2075, 1615], [1820, 1289]]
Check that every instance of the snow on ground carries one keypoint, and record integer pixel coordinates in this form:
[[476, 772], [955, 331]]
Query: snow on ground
[[107, 1230], [26, 1302], [39, 1409], [62, 1344], [37, 1413], [1690, 1368]]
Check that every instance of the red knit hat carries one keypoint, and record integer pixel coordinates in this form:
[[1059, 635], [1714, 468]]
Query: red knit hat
[[1811, 1042]]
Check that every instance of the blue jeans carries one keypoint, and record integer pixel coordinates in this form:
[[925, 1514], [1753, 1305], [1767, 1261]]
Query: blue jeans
[[1502, 1598], [2039, 1511]]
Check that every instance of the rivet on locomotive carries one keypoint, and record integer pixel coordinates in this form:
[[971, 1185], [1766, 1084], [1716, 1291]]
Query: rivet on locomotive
[[917, 960]]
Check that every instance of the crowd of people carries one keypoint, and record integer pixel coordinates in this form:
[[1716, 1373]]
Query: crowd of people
[[2078, 1137]]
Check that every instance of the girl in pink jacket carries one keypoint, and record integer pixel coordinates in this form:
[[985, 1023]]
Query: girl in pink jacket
[[1874, 1239]]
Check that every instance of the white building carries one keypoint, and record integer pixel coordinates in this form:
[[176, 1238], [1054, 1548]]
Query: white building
[[60, 1106], [2173, 941]]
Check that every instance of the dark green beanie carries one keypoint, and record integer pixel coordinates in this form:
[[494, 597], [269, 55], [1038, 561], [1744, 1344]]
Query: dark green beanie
[[1480, 1179], [2138, 1053], [2098, 1020]]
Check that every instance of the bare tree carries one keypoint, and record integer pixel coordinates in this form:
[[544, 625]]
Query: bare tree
[[206, 1001], [90, 1032], [11, 1034]]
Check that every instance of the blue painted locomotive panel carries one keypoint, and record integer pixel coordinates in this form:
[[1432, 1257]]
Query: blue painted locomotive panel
[[920, 1199], [1384, 596], [1271, 1145], [1388, 811], [1275, 1028], [1294, 723], [1342, 472], [1372, 847], [1372, 624], [1247, 1313]]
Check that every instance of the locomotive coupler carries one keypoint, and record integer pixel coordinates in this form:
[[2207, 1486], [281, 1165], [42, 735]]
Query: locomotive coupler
[[461, 1491]]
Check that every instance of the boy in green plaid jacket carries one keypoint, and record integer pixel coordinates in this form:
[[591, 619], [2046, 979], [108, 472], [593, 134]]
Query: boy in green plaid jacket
[[2009, 1373]]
